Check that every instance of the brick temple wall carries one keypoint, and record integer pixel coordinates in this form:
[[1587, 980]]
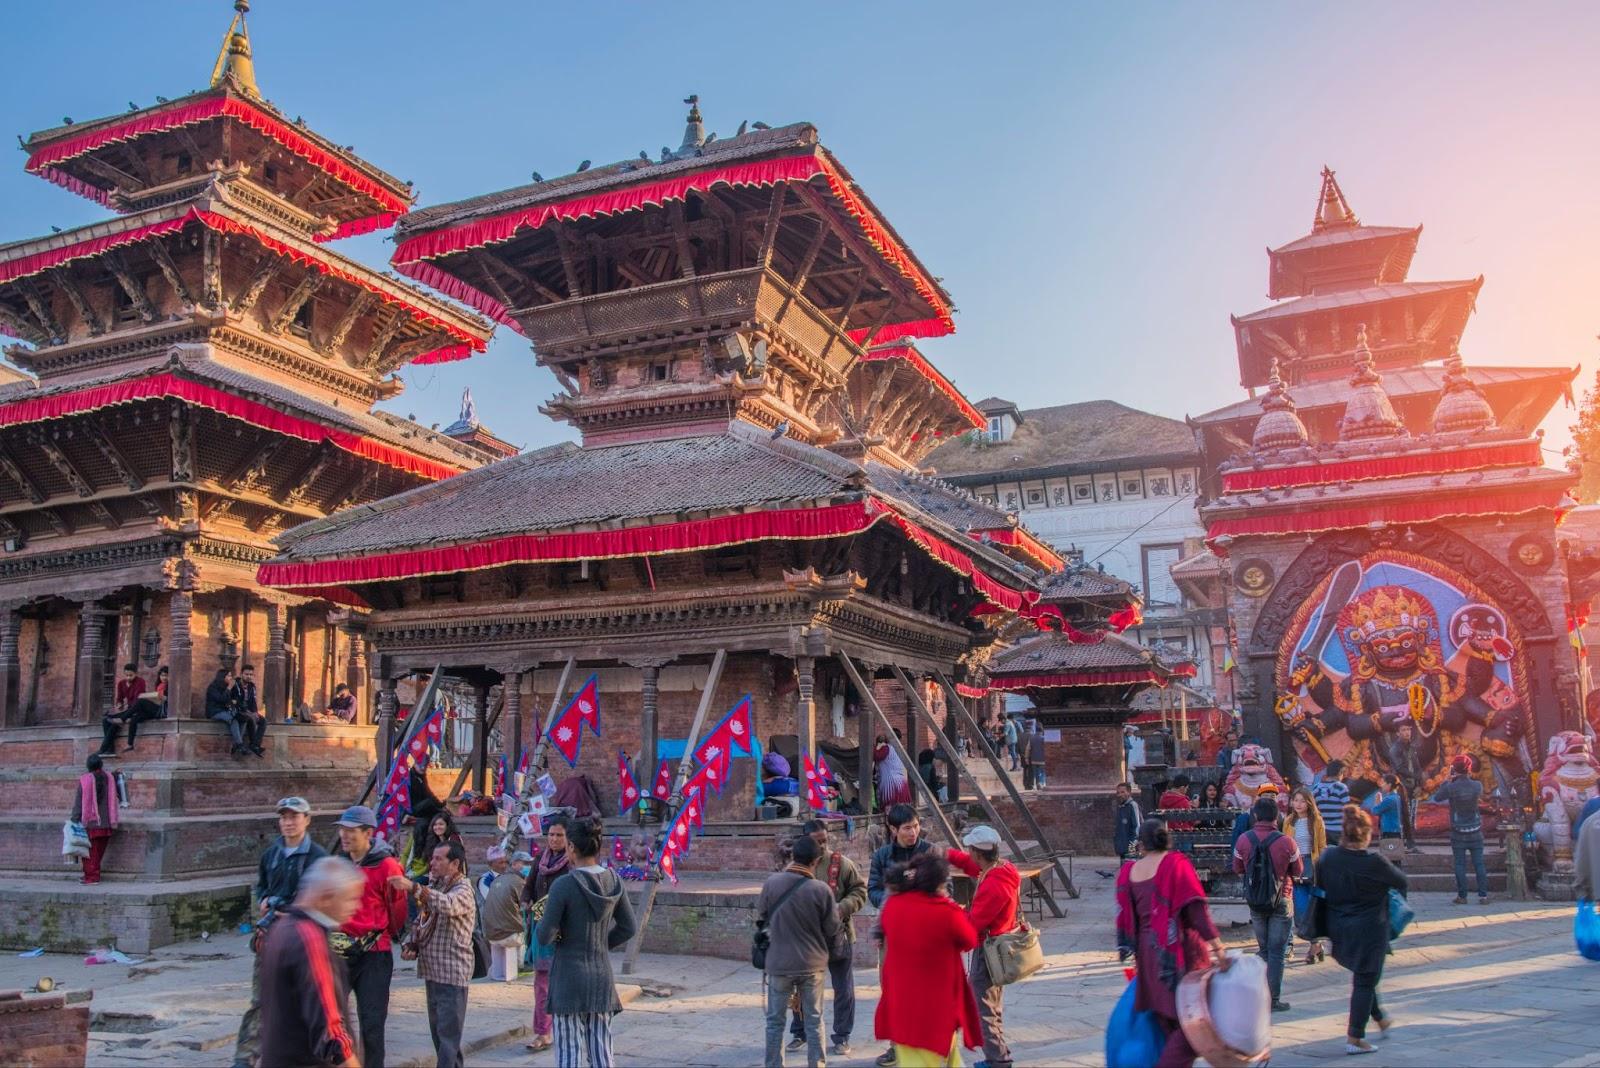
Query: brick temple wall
[[44, 1031]]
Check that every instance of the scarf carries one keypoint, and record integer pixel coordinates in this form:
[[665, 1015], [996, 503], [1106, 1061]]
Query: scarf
[[89, 785], [1175, 886], [551, 864]]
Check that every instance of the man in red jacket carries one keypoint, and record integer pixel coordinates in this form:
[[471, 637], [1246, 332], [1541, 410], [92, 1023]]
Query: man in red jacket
[[380, 918], [993, 911], [302, 980]]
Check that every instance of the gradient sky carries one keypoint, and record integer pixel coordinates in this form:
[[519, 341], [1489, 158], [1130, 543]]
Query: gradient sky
[[1096, 184]]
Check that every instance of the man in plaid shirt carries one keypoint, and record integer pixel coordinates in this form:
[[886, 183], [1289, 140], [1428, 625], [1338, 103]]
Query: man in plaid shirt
[[441, 944]]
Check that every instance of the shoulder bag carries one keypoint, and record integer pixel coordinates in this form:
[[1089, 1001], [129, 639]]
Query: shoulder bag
[[1014, 955], [761, 940]]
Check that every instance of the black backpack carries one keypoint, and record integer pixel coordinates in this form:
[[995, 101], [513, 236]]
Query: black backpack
[[1262, 890]]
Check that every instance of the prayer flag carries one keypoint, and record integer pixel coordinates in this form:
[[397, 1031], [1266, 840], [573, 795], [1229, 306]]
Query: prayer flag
[[733, 731], [709, 778], [630, 789], [814, 796], [566, 735], [694, 811], [587, 704]]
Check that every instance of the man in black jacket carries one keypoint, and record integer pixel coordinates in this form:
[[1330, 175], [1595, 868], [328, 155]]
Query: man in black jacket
[[303, 986], [248, 709], [277, 883], [802, 920], [1127, 817]]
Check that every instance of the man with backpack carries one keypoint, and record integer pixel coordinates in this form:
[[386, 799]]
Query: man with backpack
[[1269, 862]]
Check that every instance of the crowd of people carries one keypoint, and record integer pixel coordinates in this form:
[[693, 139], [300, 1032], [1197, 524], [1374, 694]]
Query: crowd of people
[[327, 927]]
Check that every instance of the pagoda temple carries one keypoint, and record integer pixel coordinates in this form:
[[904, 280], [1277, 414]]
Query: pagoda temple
[[1388, 527], [201, 373], [732, 324]]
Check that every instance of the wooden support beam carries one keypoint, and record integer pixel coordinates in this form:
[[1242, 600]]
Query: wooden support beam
[[63, 279], [769, 232], [169, 270], [211, 268], [381, 336], [131, 284], [250, 471], [307, 476], [631, 959], [870, 701], [121, 181], [797, 284], [180, 429], [492, 283], [309, 283], [265, 271], [361, 486], [61, 462], [958, 767], [858, 247], [39, 304], [341, 330], [406, 351], [24, 481], [57, 521], [114, 456], [569, 264], [953, 699], [104, 515]]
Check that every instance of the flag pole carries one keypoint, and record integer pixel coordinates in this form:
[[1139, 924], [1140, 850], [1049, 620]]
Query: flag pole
[[536, 764], [685, 765]]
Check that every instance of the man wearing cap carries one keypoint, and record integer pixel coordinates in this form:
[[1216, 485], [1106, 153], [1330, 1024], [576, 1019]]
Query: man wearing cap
[[277, 880], [1464, 794], [1246, 819], [502, 915], [996, 897], [495, 857], [368, 935]]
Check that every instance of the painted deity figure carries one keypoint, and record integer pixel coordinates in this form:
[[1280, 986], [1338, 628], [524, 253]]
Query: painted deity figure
[[1401, 705], [1252, 769], [1571, 778]]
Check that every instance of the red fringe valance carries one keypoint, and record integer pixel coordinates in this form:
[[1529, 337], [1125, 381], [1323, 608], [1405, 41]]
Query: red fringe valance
[[1468, 458], [698, 534], [962, 564], [1391, 513], [911, 356], [162, 386], [963, 690], [1020, 539], [1065, 679], [411, 257], [1192, 714], [463, 346], [44, 160]]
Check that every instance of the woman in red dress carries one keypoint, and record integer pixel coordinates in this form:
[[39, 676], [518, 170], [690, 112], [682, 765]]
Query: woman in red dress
[[1162, 920], [926, 998]]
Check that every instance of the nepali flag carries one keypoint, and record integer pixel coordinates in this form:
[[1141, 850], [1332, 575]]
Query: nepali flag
[[709, 778], [393, 809], [824, 772], [815, 798], [619, 855], [679, 834], [500, 776], [566, 732], [662, 790], [630, 789], [668, 866], [733, 731], [587, 704], [694, 812]]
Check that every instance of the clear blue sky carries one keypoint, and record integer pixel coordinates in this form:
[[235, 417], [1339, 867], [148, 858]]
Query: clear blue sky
[[1095, 183]]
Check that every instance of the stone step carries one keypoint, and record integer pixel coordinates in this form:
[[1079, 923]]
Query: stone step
[[189, 741], [253, 786]]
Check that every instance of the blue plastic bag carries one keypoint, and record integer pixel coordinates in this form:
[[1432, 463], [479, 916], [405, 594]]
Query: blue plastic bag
[[1586, 931], [1400, 914], [1133, 1039]]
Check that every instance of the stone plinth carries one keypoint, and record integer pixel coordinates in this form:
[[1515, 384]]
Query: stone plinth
[[133, 917]]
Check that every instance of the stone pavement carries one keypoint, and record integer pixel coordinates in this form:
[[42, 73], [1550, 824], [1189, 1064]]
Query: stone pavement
[[1492, 985]]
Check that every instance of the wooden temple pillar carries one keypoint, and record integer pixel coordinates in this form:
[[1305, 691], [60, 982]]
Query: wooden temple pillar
[[180, 659], [12, 712], [275, 667], [649, 728], [355, 670], [511, 716], [91, 678], [480, 735], [805, 677], [388, 702], [866, 730]]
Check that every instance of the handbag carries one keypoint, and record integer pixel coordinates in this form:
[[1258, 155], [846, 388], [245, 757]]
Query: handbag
[[1014, 955], [1133, 1039], [1316, 917], [480, 949], [1586, 930], [761, 940], [74, 839], [1400, 914]]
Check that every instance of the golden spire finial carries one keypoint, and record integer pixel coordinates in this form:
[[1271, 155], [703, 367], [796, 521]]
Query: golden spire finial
[[233, 61]]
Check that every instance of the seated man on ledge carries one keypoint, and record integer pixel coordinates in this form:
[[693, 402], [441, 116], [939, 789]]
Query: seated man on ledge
[[341, 707]]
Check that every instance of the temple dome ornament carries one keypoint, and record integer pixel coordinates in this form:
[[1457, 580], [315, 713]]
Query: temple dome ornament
[[1333, 210], [1279, 426], [1368, 414], [233, 62], [1462, 405]]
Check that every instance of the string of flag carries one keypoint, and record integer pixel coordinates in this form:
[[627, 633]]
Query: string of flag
[[566, 730], [396, 803]]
